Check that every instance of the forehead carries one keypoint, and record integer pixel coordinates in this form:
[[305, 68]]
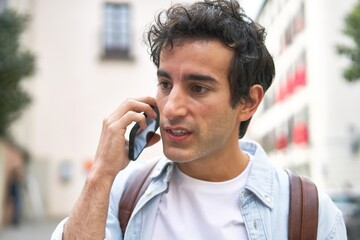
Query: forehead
[[197, 55], [195, 44]]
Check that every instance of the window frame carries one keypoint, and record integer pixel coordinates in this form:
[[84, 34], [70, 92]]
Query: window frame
[[117, 31]]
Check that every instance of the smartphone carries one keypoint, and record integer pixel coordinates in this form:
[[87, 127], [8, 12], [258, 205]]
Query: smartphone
[[138, 139]]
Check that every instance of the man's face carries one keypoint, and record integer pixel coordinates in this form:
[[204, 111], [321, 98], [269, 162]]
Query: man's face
[[193, 97]]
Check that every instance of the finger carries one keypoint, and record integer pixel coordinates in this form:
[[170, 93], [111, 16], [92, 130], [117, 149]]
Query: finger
[[131, 117], [139, 105], [136, 105], [119, 126]]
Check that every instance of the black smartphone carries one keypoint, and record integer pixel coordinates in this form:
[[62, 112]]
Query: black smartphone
[[138, 139]]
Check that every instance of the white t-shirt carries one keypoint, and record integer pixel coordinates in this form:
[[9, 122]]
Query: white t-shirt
[[195, 209]]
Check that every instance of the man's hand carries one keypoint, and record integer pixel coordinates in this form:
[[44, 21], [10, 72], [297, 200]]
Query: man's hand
[[88, 218], [112, 152]]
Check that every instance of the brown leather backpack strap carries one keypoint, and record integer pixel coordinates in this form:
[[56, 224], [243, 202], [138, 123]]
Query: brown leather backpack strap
[[132, 193], [310, 210], [303, 208], [295, 207]]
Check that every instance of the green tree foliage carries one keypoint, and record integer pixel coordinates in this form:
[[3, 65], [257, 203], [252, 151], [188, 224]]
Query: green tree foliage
[[352, 30], [15, 65]]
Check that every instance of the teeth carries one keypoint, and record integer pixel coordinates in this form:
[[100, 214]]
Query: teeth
[[178, 132]]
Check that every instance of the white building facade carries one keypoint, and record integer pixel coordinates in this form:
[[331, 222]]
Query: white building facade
[[90, 57], [309, 120]]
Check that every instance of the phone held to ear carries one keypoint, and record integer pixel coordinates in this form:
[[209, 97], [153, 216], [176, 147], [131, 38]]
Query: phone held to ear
[[138, 139]]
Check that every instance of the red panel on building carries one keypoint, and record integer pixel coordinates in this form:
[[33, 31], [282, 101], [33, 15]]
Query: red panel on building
[[300, 133]]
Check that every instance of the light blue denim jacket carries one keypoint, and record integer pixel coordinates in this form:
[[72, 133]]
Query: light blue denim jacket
[[264, 203]]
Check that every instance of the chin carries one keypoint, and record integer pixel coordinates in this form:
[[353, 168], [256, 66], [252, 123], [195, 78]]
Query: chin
[[177, 155]]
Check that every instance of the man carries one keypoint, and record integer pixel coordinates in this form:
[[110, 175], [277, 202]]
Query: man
[[213, 70]]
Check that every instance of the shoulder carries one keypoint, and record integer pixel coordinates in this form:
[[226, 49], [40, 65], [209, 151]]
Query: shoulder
[[121, 182], [330, 220], [331, 223], [124, 177]]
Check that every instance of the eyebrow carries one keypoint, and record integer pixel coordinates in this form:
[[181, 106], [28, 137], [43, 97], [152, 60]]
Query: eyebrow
[[190, 77], [200, 77], [161, 73]]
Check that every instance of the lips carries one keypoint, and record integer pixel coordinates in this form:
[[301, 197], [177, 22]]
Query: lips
[[178, 132]]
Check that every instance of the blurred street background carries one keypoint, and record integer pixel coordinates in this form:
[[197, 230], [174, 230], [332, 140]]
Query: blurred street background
[[66, 65], [30, 230]]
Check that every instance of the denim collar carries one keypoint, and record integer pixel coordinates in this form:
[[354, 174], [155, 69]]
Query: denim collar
[[261, 177], [262, 173]]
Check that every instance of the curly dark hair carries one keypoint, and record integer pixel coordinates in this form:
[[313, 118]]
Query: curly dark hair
[[223, 20]]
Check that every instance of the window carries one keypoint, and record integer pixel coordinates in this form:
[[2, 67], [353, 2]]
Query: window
[[295, 26], [116, 40], [300, 129], [299, 22], [3, 5]]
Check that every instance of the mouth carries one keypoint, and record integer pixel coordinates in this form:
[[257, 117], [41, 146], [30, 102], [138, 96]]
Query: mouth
[[178, 132]]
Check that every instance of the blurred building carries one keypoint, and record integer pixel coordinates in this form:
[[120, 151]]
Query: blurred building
[[309, 120], [90, 58]]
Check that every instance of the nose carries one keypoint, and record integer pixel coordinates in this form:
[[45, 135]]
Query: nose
[[175, 104]]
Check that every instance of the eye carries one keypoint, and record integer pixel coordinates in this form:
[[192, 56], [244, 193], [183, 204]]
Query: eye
[[199, 89], [165, 85]]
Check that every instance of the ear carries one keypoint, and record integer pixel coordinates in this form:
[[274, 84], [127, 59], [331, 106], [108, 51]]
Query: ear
[[249, 107]]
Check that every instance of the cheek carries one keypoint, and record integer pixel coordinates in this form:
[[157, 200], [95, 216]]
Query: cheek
[[159, 101], [224, 120]]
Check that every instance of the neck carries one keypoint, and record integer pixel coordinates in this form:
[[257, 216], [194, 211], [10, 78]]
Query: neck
[[215, 169]]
